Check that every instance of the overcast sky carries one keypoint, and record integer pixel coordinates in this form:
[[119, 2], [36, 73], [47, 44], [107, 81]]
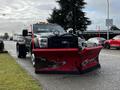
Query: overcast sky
[[97, 11], [15, 14]]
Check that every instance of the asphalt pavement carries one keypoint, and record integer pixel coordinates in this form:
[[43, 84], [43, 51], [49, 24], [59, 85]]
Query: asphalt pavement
[[106, 78]]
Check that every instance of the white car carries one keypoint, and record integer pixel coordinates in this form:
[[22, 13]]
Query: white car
[[95, 41]]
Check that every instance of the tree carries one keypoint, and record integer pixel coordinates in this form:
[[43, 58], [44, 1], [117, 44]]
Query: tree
[[70, 15], [114, 27], [6, 36]]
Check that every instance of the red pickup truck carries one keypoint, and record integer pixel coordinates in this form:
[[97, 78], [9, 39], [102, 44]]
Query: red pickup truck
[[55, 51]]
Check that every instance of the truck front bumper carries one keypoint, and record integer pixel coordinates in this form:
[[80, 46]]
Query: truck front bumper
[[66, 60]]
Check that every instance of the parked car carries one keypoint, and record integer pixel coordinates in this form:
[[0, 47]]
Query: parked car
[[95, 41], [114, 42], [1, 45]]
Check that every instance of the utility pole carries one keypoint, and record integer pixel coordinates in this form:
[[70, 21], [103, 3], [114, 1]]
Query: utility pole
[[108, 17]]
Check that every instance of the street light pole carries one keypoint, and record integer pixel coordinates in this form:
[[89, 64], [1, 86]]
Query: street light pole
[[108, 17], [108, 10]]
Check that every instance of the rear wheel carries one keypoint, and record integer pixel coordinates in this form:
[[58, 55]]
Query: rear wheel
[[1, 46], [21, 51], [107, 45]]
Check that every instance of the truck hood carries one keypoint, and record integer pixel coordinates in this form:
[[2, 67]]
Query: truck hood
[[45, 35]]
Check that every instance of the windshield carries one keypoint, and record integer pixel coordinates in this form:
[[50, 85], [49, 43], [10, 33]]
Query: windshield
[[117, 37], [47, 28], [102, 39]]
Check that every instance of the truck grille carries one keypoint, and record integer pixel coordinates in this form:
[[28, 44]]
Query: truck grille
[[66, 41]]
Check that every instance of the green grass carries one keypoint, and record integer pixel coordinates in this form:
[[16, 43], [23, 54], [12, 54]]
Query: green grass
[[13, 77]]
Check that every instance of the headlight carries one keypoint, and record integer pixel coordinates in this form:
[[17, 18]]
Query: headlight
[[43, 43]]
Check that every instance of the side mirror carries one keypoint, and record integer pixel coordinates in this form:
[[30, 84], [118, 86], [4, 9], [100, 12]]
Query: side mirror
[[25, 32]]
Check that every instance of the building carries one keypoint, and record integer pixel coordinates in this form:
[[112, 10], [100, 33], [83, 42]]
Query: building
[[101, 33]]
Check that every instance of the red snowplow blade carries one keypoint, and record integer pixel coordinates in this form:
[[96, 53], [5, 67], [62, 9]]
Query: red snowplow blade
[[66, 60]]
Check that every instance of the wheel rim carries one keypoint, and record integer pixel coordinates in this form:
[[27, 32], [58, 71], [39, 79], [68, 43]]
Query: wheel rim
[[33, 59]]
